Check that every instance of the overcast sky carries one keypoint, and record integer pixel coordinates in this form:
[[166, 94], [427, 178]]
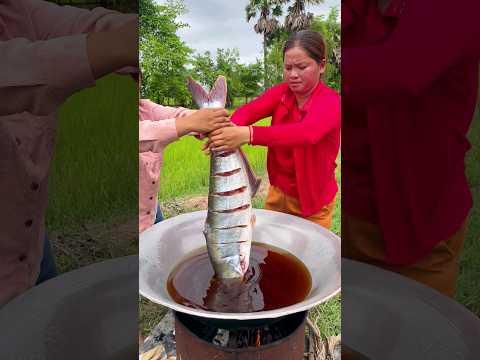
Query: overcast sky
[[222, 24]]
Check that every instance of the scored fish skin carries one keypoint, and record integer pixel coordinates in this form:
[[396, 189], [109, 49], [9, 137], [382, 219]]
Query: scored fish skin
[[222, 220], [223, 164], [226, 203], [229, 235], [229, 223], [222, 184]]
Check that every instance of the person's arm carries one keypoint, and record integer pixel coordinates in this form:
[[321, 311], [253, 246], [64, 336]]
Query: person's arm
[[153, 133], [51, 20], [183, 121], [416, 53], [104, 43], [37, 76], [322, 118], [318, 122], [259, 108], [160, 112]]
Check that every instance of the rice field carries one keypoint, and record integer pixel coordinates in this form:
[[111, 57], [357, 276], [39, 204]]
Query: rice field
[[95, 170]]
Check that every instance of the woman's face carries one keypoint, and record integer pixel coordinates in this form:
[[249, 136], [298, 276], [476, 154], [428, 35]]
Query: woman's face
[[300, 71]]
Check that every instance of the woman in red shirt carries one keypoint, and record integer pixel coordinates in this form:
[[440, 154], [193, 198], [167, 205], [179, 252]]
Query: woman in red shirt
[[409, 93], [304, 137]]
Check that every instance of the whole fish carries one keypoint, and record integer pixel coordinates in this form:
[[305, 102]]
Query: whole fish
[[229, 222]]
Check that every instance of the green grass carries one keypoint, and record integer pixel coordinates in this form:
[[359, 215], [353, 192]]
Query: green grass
[[95, 169], [468, 292]]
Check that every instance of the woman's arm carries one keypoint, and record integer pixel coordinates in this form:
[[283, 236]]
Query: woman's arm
[[259, 108], [160, 112], [185, 122], [106, 46], [51, 20], [318, 122], [321, 119], [154, 134], [417, 52], [38, 75]]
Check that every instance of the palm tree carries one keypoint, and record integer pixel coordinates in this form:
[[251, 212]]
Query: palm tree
[[266, 24], [297, 18]]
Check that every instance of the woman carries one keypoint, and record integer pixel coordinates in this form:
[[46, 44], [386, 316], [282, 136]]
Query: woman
[[409, 98], [159, 126], [304, 137]]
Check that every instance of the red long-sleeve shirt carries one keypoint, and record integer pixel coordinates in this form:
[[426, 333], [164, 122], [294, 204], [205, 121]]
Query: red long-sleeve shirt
[[409, 93], [303, 144]]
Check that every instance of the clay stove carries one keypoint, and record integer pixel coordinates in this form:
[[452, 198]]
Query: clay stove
[[272, 334], [275, 339]]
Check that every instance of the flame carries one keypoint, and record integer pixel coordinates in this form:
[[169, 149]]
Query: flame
[[258, 339]]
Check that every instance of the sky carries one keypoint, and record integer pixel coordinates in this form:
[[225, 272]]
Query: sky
[[222, 24]]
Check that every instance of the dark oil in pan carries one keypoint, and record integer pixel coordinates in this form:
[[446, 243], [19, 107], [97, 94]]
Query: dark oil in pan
[[275, 279]]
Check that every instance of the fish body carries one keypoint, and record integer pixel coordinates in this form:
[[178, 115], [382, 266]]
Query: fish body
[[229, 223]]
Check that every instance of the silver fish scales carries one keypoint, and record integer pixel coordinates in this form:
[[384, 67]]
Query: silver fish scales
[[229, 223]]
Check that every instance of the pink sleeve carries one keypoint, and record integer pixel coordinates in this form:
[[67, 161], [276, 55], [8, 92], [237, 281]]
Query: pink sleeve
[[153, 134], [160, 112], [51, 20], [318, 122], [259, 108], [38, 76]]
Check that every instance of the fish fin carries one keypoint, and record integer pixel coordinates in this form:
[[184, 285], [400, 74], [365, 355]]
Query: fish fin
[[218, 94], [199, 95], [253, 180]]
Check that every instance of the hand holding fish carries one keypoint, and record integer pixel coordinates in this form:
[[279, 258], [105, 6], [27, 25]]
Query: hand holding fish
[[228, 138], [203, 121]]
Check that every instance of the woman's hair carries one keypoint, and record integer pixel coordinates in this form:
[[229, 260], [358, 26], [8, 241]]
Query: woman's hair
[[310, 41]]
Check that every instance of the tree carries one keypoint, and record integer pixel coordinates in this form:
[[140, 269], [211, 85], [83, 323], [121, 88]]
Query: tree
[[205, 69], [163, 55], [330, 29], [266, 24], [297, 18], [250, 77], [228, 65], [275, 56]]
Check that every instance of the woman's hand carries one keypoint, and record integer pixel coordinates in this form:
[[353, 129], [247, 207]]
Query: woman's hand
[[202, 121], [227, 139]]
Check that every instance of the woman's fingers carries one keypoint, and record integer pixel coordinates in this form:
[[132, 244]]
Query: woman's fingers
[[221, 112], [220, 124], [220, 148], [215, 133], [216, 137]]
